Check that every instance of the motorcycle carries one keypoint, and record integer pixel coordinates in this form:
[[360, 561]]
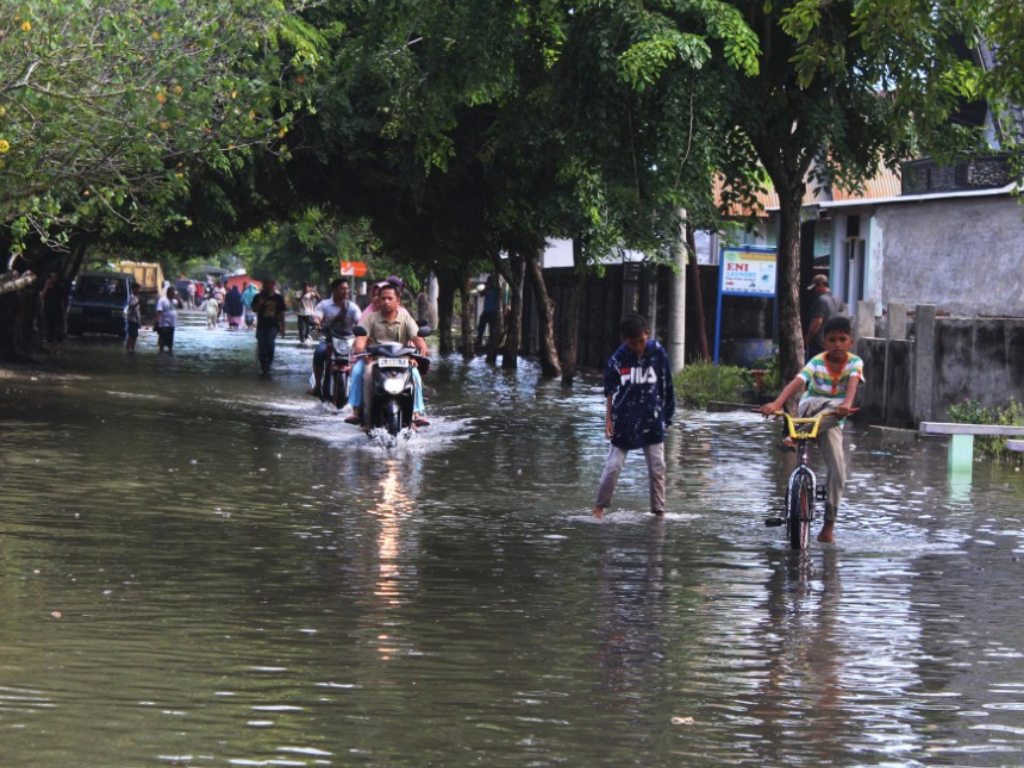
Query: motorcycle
[[389, 401], [337, 371]]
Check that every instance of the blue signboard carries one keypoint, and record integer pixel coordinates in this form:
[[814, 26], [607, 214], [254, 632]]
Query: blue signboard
[[744, 270]]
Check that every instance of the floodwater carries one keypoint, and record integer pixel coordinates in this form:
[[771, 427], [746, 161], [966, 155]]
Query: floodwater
[[200, 567]]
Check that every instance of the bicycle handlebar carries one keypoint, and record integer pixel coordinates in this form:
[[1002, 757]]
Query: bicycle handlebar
[[814, 422]]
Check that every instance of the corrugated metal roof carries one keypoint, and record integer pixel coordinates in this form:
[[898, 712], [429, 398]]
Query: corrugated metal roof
[[765, 200], [885, 184]]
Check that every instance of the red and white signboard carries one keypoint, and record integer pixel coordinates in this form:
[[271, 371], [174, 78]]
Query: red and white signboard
[[353, 268]]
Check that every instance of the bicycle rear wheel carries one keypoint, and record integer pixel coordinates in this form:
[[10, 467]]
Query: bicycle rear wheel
[[801, 509]]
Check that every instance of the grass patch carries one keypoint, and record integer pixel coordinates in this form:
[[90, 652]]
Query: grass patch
[[973, 412], [700, 382]]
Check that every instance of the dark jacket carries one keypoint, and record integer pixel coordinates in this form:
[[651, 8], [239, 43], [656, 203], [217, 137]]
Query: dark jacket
[[643, 398], [233, 302]]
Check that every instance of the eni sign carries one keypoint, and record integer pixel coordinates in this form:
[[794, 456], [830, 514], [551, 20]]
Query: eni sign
[[744, 270], [748, 271]]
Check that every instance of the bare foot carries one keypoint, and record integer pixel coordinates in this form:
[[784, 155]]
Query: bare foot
[[827, 532], [598, 512]]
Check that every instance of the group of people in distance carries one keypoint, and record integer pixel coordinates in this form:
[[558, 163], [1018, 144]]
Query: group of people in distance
[[234, 304], [267, 307], [385, 319]]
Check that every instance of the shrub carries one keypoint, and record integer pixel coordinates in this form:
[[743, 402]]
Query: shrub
[[700, 382], [973, 412], [771, 379]]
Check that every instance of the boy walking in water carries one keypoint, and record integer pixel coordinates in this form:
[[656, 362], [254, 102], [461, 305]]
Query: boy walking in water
[[639, 404], [829, 384]]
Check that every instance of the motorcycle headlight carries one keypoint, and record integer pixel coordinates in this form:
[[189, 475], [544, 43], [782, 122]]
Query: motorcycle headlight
[[394, 385]]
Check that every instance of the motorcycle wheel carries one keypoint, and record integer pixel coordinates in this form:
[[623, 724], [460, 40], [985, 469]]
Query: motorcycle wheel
[[340, 386], [393, 418]]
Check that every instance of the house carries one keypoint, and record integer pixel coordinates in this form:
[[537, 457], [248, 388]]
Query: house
[[952, 236], [942, 246]]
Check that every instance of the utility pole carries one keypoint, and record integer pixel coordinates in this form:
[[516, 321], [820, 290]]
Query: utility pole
[[677, 305]]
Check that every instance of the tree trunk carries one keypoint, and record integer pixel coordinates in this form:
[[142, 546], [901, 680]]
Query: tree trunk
[[466, 316], [791, 341], [571, 343], [8, 315], [494, 343], [546, 312], [698, 295], [447, 285], [514, 332], [72, 267]]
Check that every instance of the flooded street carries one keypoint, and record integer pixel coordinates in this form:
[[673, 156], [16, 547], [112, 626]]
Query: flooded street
[[202, 567]]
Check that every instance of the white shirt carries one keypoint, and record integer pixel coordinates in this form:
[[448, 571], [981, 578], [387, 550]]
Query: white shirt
[[169, 313], [327, 313]]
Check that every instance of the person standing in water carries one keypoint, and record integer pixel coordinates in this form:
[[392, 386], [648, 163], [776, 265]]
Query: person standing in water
[[269, 308], [132, 319], [166, 321], [639, 405]]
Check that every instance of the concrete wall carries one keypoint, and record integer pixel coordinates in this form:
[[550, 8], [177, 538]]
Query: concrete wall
[[887, 392], [964, 255], [945, 361], [980, 359]]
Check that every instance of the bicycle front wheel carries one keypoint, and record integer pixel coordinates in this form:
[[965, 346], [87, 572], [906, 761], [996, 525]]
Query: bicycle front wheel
[[801, 509]]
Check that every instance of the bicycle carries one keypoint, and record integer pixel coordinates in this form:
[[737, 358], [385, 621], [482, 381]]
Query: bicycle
[[802, 491]]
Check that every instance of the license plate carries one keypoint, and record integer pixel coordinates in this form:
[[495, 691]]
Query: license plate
[[393, 362]]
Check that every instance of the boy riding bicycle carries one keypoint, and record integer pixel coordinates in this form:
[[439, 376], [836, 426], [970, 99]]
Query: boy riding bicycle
[[829, 383]]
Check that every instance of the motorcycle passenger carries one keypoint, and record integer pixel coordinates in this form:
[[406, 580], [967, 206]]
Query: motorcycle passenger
[[338, 313], [390, 323], [373, 304]]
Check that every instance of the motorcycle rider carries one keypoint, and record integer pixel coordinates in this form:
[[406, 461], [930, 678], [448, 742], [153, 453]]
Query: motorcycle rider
[[391, 322], [338, 313]]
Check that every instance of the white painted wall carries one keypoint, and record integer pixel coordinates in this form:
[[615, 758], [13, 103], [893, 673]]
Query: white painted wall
[[964, 255]]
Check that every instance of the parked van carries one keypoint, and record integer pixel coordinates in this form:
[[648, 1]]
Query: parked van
[[98, 303]]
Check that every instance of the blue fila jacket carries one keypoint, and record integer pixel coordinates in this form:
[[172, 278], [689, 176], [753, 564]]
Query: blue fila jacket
[[643, 399]]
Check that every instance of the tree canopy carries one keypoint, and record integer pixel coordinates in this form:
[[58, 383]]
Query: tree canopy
[[107, 108], [442, 132]]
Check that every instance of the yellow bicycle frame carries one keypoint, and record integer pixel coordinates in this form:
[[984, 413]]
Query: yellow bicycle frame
[[793, 422]]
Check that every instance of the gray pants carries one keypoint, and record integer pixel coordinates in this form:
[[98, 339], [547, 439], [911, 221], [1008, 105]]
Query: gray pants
[[830, 443], [655, 456]]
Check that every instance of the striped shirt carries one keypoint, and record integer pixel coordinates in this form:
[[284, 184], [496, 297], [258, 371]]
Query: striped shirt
[[822, 381]]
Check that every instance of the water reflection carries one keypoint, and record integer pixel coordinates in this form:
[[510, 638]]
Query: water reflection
[[393, 504], [805, 661], [631, 607]]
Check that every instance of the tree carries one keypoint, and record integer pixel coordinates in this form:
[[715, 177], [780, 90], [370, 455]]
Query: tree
[[1000, 32], [468, 128], [638, 108], [105, 108], [841, 87]]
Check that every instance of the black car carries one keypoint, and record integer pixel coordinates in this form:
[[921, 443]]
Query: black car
[[98, 303]]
